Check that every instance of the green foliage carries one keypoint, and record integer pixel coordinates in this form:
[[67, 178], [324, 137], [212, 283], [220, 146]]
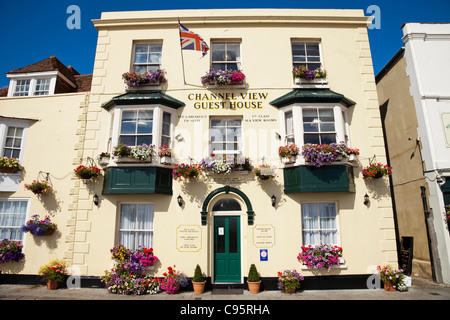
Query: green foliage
[[198, 277], [253, 274]]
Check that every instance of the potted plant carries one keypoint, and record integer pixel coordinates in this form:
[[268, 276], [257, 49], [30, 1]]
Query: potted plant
[[198, 282], [127, 275], [390, 277], [223, 77], [11, 251], [376, 171], [323, 256], [253, 280], [103, 158], [38, 227], [87, 172], [54, 273], [142, 153], [288, 153], [289, 280], [9, 165], [352, 153], [186, 171], [165, 154], [136, 80], [38, 187], [265, 172], [173, 281]]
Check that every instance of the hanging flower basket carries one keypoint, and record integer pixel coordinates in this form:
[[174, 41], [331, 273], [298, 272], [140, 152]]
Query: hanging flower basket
[[87, 172], [265, 172], [186, 171], [39, 187], [38, 227], [376, 171]]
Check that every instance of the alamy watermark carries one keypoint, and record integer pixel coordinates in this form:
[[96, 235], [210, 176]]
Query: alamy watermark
[[375, 12], [74, 20]]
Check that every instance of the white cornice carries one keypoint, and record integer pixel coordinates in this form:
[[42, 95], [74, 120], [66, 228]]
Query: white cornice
[[256, 16]]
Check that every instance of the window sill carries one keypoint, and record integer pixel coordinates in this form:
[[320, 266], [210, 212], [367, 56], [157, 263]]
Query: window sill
[[341, 265], [208, 173], [122, 162], [230, 86], [143, 88], [9, 182], [310, 84]]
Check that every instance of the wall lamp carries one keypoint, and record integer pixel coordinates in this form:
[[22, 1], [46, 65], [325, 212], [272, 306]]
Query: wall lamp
[[274, 200], [95, 198], [366, 199], [180, 201]]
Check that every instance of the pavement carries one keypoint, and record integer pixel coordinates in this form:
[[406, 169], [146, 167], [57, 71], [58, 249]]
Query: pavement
[[420, 289]]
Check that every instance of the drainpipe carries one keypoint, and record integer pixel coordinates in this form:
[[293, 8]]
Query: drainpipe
[[429, 227]]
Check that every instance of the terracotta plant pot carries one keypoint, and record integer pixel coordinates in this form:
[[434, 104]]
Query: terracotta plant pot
[[52, 284], [253, 287], [199, 287], [389, 286]]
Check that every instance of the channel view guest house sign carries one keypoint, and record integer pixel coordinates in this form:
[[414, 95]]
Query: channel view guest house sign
[[228, 100]]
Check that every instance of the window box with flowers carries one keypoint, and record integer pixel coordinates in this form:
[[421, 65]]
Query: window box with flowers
[[323, 256], [376, 171], [289, 153], [352, 153], [323, 154], [186, 171], [141, 153], [165, 155], [87, 172], [39, 187], [150, 80], [11, 251], [225, 164], [265, 172], [39, 227], [9, 174], [223, 78], [304, 77], [9, 165]]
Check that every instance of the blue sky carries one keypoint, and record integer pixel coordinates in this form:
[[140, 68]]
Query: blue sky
[[35, 30]]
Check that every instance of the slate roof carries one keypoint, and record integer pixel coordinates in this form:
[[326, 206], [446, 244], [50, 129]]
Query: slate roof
[[313, 96], [145, 97]]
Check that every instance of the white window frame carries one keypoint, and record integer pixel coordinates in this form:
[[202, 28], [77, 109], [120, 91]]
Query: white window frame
[[33, 77], [4, 125], [116, 121], [338, 237], [27, 200], [238, 62], [119, 230], [226, 152], [297, 41], [147, 65]]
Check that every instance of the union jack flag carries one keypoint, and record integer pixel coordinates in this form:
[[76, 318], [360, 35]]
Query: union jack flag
[[191, 41]]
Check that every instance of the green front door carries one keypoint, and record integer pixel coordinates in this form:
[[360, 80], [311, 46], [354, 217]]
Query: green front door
[[227, 249]]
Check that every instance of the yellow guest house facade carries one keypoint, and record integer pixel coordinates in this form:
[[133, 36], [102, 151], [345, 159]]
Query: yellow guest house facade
[[222, 221]]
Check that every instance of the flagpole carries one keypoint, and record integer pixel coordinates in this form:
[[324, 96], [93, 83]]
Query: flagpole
[[182, 56]]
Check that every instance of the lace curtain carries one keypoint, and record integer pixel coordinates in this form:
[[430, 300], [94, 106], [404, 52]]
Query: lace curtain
[[319, 223], [136, 225]]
